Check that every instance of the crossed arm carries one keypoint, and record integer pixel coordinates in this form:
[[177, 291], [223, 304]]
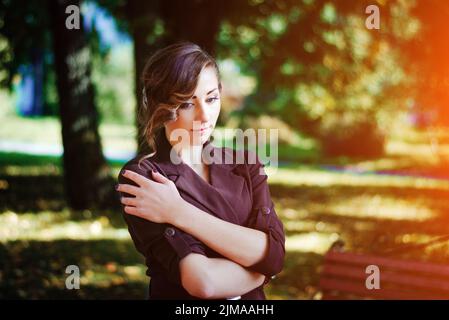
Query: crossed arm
[[240, 244], [216, 278], [220, 277]]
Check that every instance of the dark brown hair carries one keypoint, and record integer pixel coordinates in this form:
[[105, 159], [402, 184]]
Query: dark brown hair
[[169, 79]]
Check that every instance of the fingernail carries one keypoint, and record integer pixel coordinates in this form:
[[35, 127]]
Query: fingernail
[[116, 187], [123, 171]]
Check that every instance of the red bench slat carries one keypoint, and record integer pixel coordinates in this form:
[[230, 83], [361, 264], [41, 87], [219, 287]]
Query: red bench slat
[[341, 286], [387, 277], [344, 275], [414, 266]]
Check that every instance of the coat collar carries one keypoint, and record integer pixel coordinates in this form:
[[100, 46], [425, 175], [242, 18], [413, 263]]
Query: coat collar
[[223, 159]]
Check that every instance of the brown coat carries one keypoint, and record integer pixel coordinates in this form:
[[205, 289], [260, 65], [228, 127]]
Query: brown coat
[[237, 193]]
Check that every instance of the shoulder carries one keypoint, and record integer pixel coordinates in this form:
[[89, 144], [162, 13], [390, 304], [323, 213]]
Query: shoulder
[[139, 164]]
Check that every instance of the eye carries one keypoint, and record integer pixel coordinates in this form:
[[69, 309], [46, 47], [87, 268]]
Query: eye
[[212, 99], [186, 105]]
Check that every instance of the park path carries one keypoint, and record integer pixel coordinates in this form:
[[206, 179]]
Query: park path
[[38, 149]]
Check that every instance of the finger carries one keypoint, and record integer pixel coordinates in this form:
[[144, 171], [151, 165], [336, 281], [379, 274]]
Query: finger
[[133, 211], [127, 188], [159, 177], [129, 201], [137, 178]]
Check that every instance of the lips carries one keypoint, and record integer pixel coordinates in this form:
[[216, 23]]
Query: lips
[[202, 130]]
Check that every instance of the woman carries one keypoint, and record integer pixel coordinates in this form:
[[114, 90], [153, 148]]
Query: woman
[[208, 229]]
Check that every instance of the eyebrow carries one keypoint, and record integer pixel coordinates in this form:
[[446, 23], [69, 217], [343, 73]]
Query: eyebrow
[[194, 97]]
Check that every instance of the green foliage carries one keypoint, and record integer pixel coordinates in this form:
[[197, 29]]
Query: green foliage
[[316, 62]]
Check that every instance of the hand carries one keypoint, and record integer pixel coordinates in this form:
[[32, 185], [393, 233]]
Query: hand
[[156, 201]]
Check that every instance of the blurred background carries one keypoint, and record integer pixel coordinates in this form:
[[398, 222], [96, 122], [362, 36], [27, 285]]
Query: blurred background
[[362, 116]]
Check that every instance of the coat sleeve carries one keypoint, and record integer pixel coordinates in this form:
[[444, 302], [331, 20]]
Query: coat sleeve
[[263, 217], [158, 242]]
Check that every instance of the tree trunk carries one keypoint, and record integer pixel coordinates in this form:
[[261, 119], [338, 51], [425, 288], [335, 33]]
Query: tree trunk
[[142, 18], [87, 178]]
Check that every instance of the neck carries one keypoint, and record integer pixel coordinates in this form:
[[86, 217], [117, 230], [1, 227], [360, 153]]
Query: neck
[[191, 155]]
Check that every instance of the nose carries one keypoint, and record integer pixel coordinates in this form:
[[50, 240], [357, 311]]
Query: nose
[[202, 113]]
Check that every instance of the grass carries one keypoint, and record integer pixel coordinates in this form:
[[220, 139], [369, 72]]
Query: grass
[[114, 135]]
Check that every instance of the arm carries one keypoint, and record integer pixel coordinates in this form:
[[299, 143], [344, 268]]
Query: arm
[[243, 245], [216, 278]]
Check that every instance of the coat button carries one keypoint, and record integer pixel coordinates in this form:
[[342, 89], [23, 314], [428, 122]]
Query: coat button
[[266, 210], [170, 232]]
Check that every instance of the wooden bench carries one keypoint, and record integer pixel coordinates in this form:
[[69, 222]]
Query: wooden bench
[[344, 275]]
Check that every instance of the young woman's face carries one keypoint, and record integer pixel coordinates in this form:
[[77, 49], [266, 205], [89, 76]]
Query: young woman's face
[[198, 116]]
